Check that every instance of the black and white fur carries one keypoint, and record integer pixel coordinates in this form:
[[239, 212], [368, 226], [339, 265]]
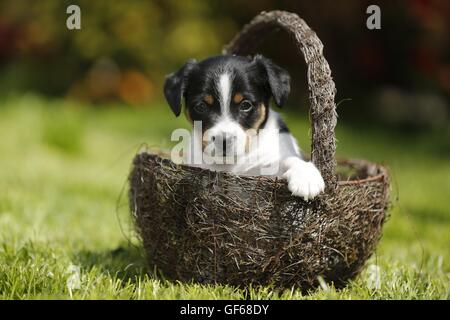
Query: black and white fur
[[230, 95]]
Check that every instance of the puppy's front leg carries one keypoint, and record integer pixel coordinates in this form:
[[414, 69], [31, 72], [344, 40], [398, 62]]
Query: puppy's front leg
[[304, 179]]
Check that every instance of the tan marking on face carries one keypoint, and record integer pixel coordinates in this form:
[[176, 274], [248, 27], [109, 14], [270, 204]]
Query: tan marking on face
[[238, 97], [248, 140], [205, 142], [251, 138], [209, 99], [262, 110], [261, 116]]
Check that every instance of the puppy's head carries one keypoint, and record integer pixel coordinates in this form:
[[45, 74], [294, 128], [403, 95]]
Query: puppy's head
[[229, 95]]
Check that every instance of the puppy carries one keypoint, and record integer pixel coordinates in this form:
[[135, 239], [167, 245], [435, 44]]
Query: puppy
[[227, 99]]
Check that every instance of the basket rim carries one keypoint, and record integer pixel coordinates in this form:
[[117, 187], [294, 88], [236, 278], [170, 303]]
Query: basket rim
[[381, 175]]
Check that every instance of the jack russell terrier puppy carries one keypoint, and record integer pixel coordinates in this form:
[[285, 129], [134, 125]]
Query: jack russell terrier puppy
[[229, 96]]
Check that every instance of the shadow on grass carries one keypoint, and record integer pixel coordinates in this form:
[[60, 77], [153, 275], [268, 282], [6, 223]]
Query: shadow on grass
[[127, 262]]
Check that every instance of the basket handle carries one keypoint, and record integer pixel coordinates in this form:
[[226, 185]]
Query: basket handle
[[322, 90]]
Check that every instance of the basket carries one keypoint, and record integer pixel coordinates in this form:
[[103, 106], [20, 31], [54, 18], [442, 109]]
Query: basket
[[215, 227]]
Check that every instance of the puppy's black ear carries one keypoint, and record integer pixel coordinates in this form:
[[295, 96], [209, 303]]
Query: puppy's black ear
[[175, 85], [278, 79]]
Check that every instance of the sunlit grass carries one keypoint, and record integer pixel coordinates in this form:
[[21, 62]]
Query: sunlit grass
[[64, 165]]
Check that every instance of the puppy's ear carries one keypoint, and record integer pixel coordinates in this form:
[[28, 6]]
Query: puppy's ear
[[175, 85], [278, 79]]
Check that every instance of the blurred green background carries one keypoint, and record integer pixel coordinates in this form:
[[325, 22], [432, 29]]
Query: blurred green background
[[400, 73], [76, 105]]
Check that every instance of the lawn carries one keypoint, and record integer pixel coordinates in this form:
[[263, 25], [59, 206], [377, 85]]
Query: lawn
[[65, 230]]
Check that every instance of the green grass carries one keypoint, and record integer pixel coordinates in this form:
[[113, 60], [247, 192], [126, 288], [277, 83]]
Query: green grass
[[63, 166]]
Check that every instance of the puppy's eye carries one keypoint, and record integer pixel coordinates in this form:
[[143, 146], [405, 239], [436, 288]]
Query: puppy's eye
[[245, 106], [200, 108]]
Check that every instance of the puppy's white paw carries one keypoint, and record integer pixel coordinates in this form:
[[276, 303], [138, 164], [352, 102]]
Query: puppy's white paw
[[304, 179]]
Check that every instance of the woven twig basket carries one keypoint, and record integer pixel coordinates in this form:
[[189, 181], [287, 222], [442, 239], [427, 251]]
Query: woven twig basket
[[214, 227]]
